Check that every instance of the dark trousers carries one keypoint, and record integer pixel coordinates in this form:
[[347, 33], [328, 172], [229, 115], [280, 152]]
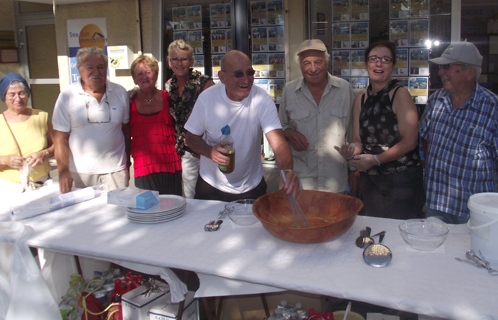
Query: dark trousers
[[205, 191], [164, 182], [399, 195]]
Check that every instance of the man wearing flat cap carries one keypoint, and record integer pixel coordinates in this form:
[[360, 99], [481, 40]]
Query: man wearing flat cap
[[316, 115], [460, 125]]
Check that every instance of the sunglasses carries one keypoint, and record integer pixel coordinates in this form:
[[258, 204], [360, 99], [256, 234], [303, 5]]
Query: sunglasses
[[448, 66], [240, 74]]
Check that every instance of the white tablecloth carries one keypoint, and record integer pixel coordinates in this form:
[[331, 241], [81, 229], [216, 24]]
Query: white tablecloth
[[428, 283]]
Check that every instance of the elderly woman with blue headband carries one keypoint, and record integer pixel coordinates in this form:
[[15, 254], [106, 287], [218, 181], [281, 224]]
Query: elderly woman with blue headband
[[25, 137]]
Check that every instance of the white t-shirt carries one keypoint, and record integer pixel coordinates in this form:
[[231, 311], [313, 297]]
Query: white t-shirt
[[247, 119], [96, 148]]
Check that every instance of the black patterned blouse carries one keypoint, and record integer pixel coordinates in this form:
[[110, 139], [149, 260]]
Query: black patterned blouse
[[379, 131], [181, 106]]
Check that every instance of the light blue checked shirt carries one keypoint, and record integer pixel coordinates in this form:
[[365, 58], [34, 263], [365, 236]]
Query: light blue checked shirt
[[463, 149]]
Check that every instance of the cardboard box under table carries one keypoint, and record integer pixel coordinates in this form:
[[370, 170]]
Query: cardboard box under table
[[136, 304], [163, 309]]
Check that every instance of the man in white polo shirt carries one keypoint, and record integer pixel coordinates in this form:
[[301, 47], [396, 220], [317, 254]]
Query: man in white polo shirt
[[90, 123]]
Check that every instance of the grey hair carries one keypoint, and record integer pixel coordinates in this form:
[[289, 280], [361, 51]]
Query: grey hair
[[478, 70], [89, 50], [183, 46], [17, 82]]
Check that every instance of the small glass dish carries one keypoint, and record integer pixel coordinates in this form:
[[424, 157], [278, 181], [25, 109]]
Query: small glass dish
[[240, 212], [424, 234]]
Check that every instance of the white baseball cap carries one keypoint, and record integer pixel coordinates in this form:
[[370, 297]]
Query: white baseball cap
[[312, 44], [464, 52]]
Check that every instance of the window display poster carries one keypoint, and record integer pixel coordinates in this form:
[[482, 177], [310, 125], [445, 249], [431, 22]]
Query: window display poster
[[276, 63], [419, 32], [260, 65], [180, 18], [83, 33], [401, 66], [229, 39], [359, 10], [419, 64], [340, 35], [403, 82], [259, 39], [195, 41], [218, 41], [399, 9], [217, 15], [216, 65], [194, 17], [359, 35], [258, 13], [180, 35], [276, 88], [420, 8], [340, 10], [276, 12], [358, 64], [341, 63], [359, 83], [199, 64], [228, 15], [276, 39], [419, 89], [262, 83], [398, 32]]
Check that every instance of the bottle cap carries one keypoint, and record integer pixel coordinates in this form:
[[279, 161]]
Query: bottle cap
[[225, 130]]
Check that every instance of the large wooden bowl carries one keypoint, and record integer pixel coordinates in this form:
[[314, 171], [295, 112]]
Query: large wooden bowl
[[329, 215]]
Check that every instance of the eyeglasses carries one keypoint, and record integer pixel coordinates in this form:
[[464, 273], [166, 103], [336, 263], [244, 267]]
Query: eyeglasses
[[12, 96], [448, 66], [96, 113], [240, 73], [383, 59], [181, 60]]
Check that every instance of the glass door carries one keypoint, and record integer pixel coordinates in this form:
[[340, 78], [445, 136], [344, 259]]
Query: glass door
[[38, 53]]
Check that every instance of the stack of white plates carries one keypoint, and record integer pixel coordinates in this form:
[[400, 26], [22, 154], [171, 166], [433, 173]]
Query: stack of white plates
[[170, 207]]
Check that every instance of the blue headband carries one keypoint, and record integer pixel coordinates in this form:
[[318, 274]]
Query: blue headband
[[7, 80]]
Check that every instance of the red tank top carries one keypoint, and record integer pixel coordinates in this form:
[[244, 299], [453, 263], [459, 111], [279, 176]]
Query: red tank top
[[153, 141]]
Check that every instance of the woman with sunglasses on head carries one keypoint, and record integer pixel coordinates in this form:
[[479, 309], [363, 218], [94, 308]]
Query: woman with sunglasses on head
[[184, 87], [156, 164], [25, 137], [385, 141]]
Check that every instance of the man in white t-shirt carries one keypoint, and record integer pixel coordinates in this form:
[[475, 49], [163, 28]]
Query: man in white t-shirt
[[90, 123], [250, 112]]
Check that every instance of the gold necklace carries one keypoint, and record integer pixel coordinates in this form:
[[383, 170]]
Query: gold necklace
[[149, 100]]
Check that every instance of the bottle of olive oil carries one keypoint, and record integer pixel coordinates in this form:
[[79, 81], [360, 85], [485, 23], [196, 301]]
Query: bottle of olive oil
[[227, 143]]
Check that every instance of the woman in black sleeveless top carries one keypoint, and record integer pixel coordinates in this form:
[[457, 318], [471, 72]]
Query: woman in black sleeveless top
[[385, 142]]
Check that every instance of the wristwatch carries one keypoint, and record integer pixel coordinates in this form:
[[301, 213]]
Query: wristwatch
[[47, 153]]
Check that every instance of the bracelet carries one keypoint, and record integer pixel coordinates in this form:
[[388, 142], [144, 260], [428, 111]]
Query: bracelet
[[375, 157], [287, 170], [352, 157]]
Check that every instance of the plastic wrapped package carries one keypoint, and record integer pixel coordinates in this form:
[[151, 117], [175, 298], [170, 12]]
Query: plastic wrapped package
[[22, 288]]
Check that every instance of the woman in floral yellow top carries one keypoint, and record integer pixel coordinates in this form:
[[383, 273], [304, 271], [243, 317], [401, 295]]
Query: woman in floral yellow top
[[184, 87]]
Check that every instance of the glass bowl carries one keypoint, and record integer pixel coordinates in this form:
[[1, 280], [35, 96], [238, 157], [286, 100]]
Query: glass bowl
[[424, 234], [240, 212]]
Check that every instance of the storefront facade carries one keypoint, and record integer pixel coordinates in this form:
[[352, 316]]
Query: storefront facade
[[269, 31]]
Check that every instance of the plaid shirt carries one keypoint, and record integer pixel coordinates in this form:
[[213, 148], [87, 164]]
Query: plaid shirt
[[463, 149]]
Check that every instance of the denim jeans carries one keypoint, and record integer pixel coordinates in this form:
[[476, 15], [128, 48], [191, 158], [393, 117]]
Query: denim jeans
[[399, 195], [446, 217]]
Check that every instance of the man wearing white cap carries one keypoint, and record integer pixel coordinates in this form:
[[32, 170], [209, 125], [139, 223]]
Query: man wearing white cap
[[316, 115], [460, 125]]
